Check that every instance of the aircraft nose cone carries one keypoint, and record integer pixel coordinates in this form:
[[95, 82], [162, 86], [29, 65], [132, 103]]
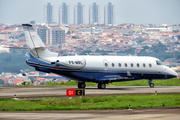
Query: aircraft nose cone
[[175, 74], [172, 73]]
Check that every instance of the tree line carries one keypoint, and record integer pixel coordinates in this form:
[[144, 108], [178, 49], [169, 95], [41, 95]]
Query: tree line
[[13, 62]]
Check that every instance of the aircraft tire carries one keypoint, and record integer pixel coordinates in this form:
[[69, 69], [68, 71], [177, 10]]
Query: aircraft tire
[[81, 85], [101, 86], [151, 85]]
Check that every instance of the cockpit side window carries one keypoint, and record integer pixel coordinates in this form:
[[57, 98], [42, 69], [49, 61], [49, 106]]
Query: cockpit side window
[[159, 62]]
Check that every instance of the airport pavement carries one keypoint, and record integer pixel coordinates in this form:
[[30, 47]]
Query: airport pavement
[[60, 91], [137, 114]]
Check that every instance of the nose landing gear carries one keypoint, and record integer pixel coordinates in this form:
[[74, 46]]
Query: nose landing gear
[[151, 84]]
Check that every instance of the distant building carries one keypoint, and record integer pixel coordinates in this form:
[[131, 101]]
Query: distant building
[[72, 29], [55, 36], [64, 14], [94, 13], [41, 31], [4, 74], [5, 79], [4, 36], [51, 36], [48, 13], [17, 81], [151, 30], [2, 26], [33, 73], [109, 14], [79, 14]]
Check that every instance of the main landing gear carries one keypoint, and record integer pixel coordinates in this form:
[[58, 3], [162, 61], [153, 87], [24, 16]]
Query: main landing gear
[[81, 85], [101, 85], [151, 84]]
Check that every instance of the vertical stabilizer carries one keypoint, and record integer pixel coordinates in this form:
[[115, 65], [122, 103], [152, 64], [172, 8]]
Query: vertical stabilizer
[[35, 45]]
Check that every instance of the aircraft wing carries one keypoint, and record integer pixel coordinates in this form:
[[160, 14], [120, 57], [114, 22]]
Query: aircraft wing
[[113, 77], [48, 77], [55, 77]]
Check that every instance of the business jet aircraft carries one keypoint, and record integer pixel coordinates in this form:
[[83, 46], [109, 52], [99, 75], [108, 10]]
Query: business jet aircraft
[[98, 69]]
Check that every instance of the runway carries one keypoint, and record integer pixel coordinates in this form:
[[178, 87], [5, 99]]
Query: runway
[[60, 91], [137, 114]]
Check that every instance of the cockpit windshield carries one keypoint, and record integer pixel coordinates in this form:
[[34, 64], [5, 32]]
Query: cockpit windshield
[[159, 62]]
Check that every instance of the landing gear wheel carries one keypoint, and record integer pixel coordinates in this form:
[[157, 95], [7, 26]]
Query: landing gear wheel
[[81, 85], [101, 86], [151, 85]]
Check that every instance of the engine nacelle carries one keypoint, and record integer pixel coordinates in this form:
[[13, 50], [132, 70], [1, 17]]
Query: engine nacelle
[[71, 63]]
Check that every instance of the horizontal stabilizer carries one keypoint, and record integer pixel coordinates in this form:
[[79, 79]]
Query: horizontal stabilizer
[[26, 25], [39, 47], [15, 47]]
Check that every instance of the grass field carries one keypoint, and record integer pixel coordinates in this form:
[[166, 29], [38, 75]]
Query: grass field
[[91, 103], [169, 82], [97, 102]]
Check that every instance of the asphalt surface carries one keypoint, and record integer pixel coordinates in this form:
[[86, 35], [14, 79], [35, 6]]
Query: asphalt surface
[[170, 113], [60, 91], [137, 114]]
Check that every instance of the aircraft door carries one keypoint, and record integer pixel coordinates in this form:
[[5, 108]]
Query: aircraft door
[[106, 65]]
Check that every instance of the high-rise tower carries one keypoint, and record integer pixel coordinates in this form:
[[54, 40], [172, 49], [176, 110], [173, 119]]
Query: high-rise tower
[[93, 13], [48, 13], [79, 14], [109, 14], [64, 14]]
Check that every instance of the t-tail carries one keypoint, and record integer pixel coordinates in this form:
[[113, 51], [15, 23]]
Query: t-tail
[[36, 47]]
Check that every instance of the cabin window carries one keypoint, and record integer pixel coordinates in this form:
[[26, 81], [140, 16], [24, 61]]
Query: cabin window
[[106, 64], [119, 64], [138, 65], [159, 62], [150, 65], [125, 64], [131, 64], [112, 64], [144, 65]]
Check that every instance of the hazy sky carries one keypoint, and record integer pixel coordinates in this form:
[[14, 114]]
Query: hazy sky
[[126, 11]]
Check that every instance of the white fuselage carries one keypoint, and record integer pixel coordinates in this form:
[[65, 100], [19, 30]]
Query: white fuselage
[[108, 63]]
